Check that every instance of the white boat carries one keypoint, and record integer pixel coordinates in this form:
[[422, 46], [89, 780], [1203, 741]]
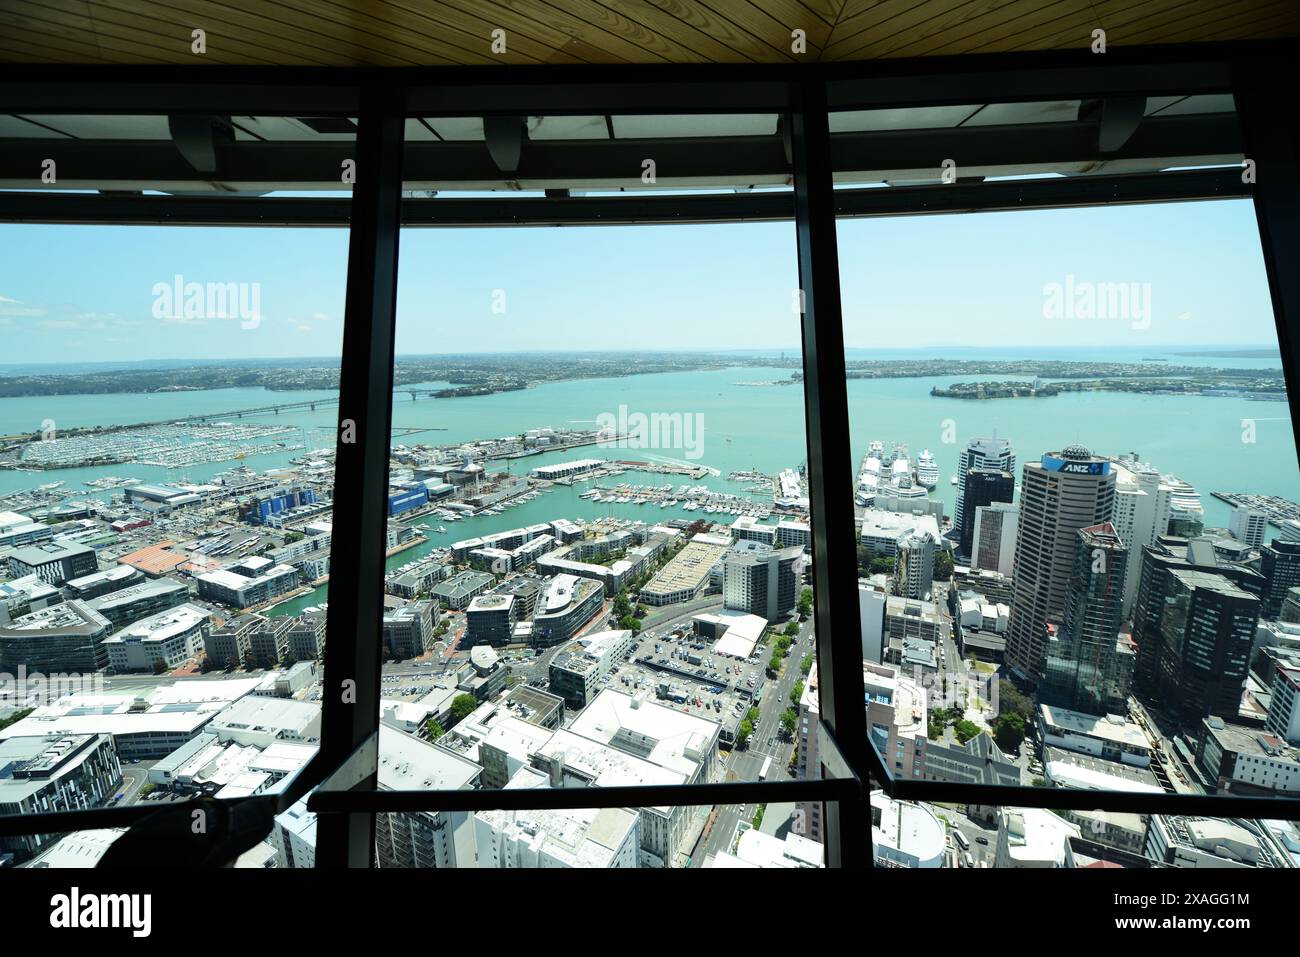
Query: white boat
[[927, 472]]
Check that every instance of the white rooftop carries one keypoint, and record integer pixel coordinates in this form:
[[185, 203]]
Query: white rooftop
[[164, 625], [1035, 835], [409, 764], [181, 707], [669, 738], [1111, 727]]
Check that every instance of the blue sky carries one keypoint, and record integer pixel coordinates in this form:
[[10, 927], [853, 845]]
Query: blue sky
[[81, 293]]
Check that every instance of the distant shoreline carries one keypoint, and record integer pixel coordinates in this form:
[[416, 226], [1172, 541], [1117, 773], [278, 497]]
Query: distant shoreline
[[1233, 354]]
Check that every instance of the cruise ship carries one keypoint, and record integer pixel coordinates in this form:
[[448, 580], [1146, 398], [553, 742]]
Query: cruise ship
[[887, 478], [927, 473]]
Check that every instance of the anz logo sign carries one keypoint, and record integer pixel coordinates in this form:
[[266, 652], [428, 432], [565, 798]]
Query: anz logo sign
[[1054, 464]]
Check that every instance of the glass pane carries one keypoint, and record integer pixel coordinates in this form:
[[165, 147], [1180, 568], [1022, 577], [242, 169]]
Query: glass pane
[[168, 407], [1076, 498], [598, 478]]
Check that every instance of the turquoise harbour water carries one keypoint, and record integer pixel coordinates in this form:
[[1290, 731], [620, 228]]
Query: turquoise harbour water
[[760, 427]]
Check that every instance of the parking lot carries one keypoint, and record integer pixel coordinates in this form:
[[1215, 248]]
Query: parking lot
[[670, 660]]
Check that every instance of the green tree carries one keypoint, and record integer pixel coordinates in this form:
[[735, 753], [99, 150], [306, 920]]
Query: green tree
[[433, 729], [461, 707], [965, 730], [796, 693], [805, 602], [622, 607], [752, 715], [743, 732], [1011, 700], [792, 630], [1009, 731], [806, 665], [943, 565], [789, 720], [774, 664], [881, 566]]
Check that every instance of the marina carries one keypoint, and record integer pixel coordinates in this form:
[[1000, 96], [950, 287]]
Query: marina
[[167, 446], [691, 497]]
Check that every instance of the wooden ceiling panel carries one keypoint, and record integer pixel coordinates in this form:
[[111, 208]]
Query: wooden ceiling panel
[[460, 32], [1166, 21], [858, 32], [661, 18], [169, 30], [704, 19], [1075, 28], [976, 24], [1187, 29]]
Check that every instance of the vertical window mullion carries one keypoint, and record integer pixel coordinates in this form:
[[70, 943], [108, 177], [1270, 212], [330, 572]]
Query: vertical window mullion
[[830, 489], [353, 656]]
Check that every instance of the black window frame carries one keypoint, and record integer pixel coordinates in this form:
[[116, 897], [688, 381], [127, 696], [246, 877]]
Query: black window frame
[[342, 777]]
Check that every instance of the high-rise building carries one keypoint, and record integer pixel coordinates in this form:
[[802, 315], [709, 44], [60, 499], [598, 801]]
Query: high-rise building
[[1284, 707], [910, 540], [992, 453], [1060, 494], [982, 487], [1207, 629], [422, 839], [871, 607], [914, 570], [1248, 525], [408, 631], [761, 580], [1280, 563], [1143, 500], [490, 619], [993, 545], [1170, 553], [1089, 666]]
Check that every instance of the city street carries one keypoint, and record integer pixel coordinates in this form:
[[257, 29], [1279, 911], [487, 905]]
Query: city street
[[744, 765], [973, 831]]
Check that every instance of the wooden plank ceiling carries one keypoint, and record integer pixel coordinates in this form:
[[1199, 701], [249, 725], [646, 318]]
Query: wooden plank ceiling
[[460, 32]]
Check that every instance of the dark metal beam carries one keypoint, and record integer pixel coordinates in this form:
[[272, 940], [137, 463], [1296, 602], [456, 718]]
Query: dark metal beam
[[830, 468], [1179, 70], [944, 792], [1272, 135], [353, 662], [333, 803], [633, 208], [739, 159], [1097, 189]]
